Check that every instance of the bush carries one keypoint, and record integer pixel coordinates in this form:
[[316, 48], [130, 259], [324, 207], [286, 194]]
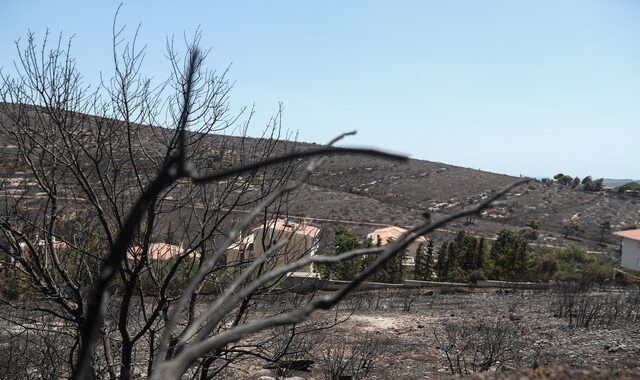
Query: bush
[[340, 360], [583, 309], [479, 347], [567, 277], [476, 275], [573, 255], [529, 233], [571, 264], [596, 274], [631, 186], [620, 279], [547, 267]]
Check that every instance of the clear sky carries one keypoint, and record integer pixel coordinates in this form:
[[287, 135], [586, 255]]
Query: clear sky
[[517, 87]]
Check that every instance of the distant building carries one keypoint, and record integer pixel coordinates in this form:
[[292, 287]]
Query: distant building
[[41, 246], [630, 249], [239, 253], [386, 234], [297, 240], [158, 252]]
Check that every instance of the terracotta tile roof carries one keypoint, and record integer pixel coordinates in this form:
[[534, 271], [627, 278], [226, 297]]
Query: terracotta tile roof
[[298, 228], [629, 234], [390, 232], [158, 251]]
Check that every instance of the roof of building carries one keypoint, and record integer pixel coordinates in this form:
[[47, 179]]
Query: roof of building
[[629, 234], [158, 251], [298, 228], [243, 242], [392, 232]]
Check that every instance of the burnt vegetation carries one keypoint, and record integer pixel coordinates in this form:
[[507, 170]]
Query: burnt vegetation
[[120, 205]]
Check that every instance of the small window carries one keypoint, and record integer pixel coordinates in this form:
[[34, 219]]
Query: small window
[[638, 262]]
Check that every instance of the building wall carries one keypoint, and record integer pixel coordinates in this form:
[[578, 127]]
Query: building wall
[[409, 252], [237, 253], [297, 245], [631, 254]]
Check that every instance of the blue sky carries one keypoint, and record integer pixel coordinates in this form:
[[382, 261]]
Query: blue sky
[[516, 87]]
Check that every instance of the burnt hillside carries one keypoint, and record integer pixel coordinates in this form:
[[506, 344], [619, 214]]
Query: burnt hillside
[[362, 192]]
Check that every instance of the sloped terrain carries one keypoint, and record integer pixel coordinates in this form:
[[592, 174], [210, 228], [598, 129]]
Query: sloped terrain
[[364, 192], [419, 186]]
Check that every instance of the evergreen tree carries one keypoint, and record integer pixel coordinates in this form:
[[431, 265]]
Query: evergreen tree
[[424, 262], [598, 184], [459, 242], [575, 183], [481, 254], [587, 183], [509, 256], [441, 266], [392, 272], [468, 253], [419, 263], [451, 259], [345, 241]]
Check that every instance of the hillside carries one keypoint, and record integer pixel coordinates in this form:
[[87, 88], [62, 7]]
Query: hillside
[[418, 185], [364, 192]]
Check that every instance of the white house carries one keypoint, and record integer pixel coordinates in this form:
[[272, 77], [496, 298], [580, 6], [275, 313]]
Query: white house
[[630, 249]]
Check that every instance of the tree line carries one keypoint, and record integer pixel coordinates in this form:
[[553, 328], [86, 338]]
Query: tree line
[[586, 184], [467, 258]]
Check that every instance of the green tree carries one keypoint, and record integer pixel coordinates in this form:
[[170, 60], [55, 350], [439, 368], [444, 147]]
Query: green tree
[[563, 179], [631, 186], [575, 183], [588, 184], [452, 260], [344, 241], [509, 256], [442, 263], [459, 257], [468, 253], [392, 272], [481, 254], [546, 266], [598, 185], [571, 263], [424, 262]]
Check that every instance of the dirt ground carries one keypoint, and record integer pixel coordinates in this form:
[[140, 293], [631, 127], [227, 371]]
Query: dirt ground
[[410, 326]]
